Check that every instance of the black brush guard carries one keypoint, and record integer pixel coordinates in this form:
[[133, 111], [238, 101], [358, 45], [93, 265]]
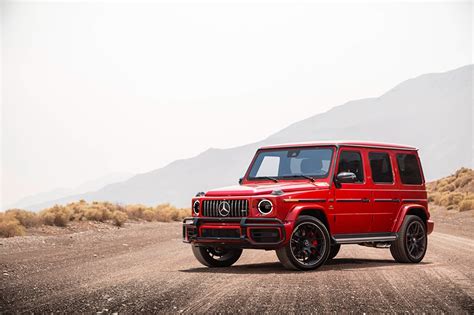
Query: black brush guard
[[191, 229]]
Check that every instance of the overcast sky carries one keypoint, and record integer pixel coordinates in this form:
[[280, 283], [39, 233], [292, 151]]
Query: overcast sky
[[91, 89]]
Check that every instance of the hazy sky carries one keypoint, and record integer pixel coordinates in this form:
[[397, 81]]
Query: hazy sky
[[90, 89]]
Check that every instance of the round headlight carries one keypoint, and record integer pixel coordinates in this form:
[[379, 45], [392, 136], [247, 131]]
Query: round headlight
[[265, 206], [196, 206]]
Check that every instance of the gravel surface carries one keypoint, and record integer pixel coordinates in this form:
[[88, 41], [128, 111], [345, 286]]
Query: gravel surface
[[146, 267]]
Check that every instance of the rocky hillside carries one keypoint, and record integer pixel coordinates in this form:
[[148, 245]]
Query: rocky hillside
[[455, 192]]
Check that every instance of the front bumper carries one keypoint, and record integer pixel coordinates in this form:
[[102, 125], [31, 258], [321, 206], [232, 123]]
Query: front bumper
[[234, 232]]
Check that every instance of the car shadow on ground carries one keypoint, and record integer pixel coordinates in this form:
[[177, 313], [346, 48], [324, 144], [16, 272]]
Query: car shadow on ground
[[342, 264]]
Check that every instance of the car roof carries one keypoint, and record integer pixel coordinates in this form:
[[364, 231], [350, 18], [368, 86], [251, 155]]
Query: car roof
[[348, 143]]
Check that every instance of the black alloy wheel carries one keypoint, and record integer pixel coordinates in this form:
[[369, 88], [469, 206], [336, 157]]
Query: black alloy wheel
[[307, 243], [216, 256], [416, 239], [412, 242], [308, 247]]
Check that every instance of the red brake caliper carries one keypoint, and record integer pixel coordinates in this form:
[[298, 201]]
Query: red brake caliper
[[314, 243]]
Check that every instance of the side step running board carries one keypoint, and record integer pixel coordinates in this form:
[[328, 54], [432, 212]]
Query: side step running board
[[364, 238]]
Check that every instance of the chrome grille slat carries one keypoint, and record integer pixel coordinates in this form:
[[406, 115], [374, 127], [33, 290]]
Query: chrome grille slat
[[238, 207]]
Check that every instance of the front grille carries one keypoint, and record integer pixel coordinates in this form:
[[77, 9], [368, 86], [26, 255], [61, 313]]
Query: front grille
[[237, 208], [221, 233]]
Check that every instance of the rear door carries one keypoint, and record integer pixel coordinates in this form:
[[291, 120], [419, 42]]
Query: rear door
[[352, 200], [411, 180], [386, 199]]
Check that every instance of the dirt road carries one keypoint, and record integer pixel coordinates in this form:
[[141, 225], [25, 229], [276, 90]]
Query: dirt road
[[146, 267]]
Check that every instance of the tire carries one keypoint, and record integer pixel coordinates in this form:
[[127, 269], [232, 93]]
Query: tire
[[216, 256], [412, 242], [334, 250], [308, 247]]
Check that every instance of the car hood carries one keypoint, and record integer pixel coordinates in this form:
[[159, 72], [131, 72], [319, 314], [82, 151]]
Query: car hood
[[264, 189]]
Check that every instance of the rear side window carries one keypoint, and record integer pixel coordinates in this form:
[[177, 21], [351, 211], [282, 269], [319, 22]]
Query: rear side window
[[351, 161], [409, 169], [380, 167]]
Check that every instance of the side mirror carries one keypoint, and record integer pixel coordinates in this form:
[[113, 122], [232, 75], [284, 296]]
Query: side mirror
[[241, 180], [346, 177]]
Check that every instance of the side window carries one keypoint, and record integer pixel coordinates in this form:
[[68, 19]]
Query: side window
[[409, 169], [351, 161], [380, 167]]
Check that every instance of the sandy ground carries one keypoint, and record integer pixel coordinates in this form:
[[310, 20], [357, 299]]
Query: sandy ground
[[146, 267]]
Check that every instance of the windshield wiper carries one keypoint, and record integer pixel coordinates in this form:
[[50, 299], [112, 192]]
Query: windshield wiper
[[271, 178], [306, 176]]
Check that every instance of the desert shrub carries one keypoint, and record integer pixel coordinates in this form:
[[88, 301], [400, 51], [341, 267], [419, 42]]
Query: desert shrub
[[135, 212], [181, 213], [119, 218], [77, 212], [462, 171], [453, 199], [167, 213], [440, 185], [462, 181], [163, 216], [57, 215], [97, 212], [10, 226], [164, 212], [26, 218], [434, 197], [82, 210], [448, 187], [466, 205], [149, 215]]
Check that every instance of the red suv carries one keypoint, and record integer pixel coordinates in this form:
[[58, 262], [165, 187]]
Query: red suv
[[306, 200]]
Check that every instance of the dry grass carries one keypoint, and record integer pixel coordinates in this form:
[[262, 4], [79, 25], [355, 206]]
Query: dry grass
[[455, 192], [26, 218], [466, 205], [13, 222], [119, 218], [10, 226], [57, 215]]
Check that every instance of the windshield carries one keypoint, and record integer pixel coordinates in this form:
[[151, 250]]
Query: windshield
[[292, 163]]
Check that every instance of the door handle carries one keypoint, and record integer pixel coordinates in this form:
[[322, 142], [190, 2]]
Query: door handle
[[365, 200]]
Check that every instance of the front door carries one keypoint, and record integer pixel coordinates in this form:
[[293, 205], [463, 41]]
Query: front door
[[352, 207]]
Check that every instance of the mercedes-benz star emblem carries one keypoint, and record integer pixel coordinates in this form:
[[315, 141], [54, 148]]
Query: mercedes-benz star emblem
[[224, 208]]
